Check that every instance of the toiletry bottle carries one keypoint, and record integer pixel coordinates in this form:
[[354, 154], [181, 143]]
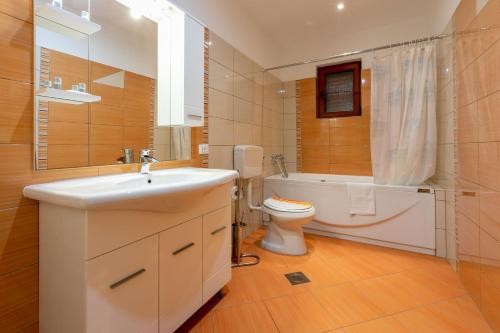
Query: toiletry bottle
[[58, 82], [57, 3]]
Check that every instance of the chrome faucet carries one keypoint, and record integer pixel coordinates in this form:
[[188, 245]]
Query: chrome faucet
[[146, 159], [279, 159]]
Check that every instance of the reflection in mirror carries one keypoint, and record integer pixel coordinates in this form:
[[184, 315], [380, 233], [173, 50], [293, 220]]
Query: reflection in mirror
[[96, 82]]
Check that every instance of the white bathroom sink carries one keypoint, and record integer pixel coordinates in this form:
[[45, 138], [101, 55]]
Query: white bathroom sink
[[131, 190]]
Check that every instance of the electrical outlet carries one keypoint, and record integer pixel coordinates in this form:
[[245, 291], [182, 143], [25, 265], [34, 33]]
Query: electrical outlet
[[203, 148]]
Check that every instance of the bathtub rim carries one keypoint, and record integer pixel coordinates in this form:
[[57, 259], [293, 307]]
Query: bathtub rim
[[331, 179]]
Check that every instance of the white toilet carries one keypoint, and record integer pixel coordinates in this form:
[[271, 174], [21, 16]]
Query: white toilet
[[284, 234]]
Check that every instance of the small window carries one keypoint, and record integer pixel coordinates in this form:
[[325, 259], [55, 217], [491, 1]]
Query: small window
[[339, 90]]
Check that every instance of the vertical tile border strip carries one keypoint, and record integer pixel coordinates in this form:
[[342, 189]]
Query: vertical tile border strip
[[42, 116], [298, 126], [152, 108], [204, 139]]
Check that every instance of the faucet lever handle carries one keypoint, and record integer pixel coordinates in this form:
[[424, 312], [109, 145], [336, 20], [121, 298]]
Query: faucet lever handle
[[146, 152]]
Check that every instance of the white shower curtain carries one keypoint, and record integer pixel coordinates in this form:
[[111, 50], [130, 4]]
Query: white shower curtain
[[403, 119]]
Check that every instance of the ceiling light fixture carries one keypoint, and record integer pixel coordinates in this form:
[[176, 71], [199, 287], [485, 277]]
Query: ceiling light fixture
[[135, 14], [340, 6]]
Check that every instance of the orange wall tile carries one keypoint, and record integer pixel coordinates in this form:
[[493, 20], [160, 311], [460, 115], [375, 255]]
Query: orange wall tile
[[477, 67], [16, 116], [16, 43], [19, 215], [336, 145]]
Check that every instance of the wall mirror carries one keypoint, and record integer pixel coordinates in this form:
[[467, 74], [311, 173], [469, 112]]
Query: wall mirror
[[110, 76]]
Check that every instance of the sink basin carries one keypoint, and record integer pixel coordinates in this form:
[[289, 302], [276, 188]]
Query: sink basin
[[130, 190]]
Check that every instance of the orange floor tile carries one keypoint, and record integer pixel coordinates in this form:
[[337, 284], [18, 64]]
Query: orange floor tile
[[354, 288]]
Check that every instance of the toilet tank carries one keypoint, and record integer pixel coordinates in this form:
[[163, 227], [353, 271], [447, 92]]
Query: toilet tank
[[248, 160]]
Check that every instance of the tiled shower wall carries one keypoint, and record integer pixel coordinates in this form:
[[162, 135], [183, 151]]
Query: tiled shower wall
[[328, 145], [245, 108], [477, 75], [444, 179]]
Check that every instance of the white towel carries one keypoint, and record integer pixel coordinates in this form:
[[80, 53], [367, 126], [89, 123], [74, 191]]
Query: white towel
[[361, 198]]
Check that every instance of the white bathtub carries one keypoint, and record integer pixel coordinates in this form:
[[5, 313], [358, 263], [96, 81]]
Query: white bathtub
[[404, 219]]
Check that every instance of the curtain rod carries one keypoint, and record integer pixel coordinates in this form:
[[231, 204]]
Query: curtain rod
[[341, 55]]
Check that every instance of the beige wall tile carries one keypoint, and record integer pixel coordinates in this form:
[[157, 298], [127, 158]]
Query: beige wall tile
[[243, 134], [290, 105], [243, 65], [488, 115], [162, 136], [467, 161], [290, 153], [220, 157], [290, 121], [290, 89], [256, 135], [243, 111], [220, 104], [467, 236], [467, 123], [220, 78], [220, 132], [267, 117], [490, 69], [220, 51], [490, 213], [489, 165], [257, 115], [244, 88]]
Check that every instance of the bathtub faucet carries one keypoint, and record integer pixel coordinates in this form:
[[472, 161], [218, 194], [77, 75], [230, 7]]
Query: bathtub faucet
[[279, 159]]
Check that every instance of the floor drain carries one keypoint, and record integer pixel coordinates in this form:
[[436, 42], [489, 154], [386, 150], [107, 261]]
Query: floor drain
[[297, 278]]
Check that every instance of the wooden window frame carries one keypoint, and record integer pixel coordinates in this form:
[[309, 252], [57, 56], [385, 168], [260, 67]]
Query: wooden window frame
[[322, 72]]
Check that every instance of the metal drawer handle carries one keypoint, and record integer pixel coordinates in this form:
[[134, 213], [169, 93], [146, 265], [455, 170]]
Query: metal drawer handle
[[127, 278], [216, 231], [468, 194], [185, 247]]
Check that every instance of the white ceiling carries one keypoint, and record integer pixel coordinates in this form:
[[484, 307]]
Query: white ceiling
[[315, 28]]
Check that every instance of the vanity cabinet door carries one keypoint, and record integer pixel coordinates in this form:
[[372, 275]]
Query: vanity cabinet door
[[216, 251], [122, 289], [180, 274]]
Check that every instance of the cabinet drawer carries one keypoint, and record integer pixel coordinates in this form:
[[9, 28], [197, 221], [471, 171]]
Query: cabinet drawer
[[216, 251], [216, 241], [180, 274], [122, 289]]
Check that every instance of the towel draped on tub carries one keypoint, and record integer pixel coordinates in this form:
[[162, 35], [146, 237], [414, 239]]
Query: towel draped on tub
[[361, 198]]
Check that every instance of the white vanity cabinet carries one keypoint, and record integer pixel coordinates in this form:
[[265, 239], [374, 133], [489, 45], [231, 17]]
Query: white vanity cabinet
[[122, 289], [132, 270], [217, 237], [181, 286]]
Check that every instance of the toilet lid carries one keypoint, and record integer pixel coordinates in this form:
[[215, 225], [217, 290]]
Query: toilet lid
[[287, 205]]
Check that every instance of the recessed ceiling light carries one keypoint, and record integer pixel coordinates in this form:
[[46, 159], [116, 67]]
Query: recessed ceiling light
[[135, 14], [340, 6]]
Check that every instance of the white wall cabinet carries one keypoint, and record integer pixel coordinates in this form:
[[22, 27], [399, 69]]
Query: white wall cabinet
[[132, 271]]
